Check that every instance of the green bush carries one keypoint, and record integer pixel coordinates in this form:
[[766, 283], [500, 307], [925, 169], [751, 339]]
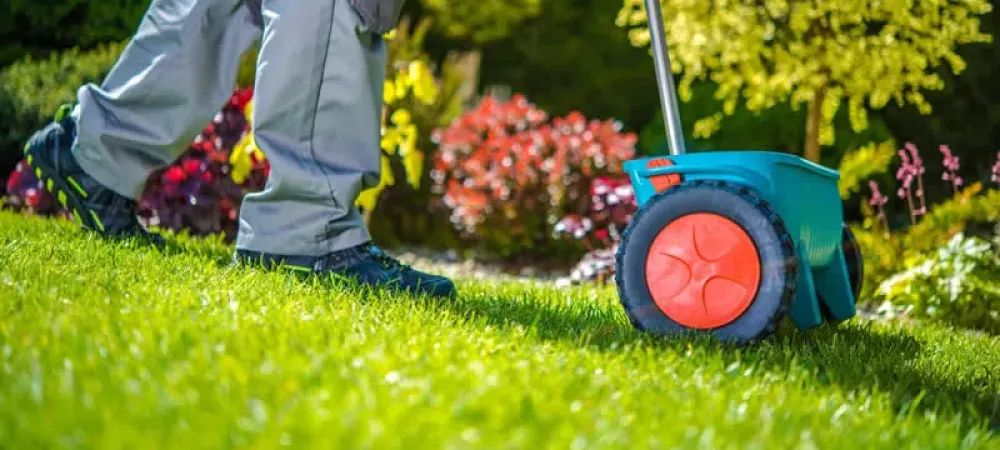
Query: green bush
[[958, 285], [37, 28], [972, 213], [943, 268], [481, 21], [572, 57], [31, 90]]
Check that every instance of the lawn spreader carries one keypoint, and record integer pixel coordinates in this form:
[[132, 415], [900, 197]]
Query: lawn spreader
[[730, 243]]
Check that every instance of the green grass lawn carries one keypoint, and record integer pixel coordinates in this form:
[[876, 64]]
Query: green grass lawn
[[114, 347]]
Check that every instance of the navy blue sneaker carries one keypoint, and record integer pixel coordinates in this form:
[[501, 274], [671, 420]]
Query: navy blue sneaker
[[366, 264], [93, 205]]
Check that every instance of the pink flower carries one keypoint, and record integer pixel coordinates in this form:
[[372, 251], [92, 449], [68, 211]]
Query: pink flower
[[996, 170], [878, 199], [950, 161], [911, 167], [907, 170], [951, 165], [918, 164]]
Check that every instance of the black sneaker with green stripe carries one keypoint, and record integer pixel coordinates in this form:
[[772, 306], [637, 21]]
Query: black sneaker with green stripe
[[365, 264], [96, 207]]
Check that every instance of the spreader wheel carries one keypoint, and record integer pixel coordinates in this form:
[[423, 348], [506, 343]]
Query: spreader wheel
[[855, 263], [855, 271], [707, 257]]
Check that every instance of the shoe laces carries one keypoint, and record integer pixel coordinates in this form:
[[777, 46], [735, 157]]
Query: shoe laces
[[383, 258], [115, 207]]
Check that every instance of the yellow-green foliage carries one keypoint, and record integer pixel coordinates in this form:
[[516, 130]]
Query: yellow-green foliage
[[247, 73], [948, 218], [399, 133], [416, 100], [859, 165], [245, 150], [766, 52]]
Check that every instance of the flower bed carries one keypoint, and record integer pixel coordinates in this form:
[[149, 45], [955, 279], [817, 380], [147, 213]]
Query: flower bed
[[200, 193]]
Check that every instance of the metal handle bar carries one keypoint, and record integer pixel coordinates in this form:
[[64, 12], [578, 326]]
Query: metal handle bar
[[664, 79]]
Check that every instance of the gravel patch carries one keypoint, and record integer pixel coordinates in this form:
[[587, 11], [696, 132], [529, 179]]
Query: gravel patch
[[451, 265]]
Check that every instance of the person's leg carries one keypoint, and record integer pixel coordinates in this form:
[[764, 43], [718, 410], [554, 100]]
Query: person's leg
[[171, 79], [317, 118]]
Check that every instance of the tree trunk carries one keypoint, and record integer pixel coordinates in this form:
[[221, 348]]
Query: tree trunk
[[812, 151]]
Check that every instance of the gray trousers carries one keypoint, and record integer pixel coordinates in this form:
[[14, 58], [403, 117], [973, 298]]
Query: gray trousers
[[317, 110]]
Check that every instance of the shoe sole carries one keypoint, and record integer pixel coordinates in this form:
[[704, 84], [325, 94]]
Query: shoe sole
[[67, 192]]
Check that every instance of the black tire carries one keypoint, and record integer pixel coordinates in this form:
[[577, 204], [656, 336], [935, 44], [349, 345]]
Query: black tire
[[855, 271], [855, 263], [778, 265]]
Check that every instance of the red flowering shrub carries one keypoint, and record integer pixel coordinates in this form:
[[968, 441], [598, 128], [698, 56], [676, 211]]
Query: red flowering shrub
[[612, 205], [26, 193], [196, 193], [507, 173]]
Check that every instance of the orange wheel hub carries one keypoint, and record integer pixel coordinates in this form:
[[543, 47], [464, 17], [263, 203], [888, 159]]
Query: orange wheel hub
[[703, 270]]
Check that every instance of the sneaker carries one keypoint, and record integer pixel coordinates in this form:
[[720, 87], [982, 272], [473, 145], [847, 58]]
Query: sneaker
[[93, 205], [366, 264]]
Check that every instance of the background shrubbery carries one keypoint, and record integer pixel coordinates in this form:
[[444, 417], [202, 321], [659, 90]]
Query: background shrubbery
[[36, 29], [507, 172], [32, 89], [957, 283], [935, 263], [199, 194]]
